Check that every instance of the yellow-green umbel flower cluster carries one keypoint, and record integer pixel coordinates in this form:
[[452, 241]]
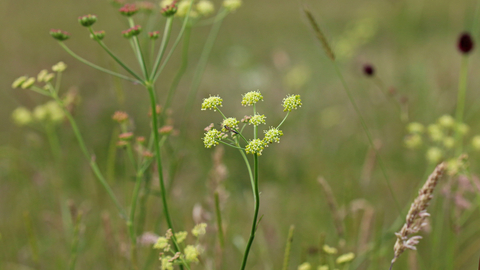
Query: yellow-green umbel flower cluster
[[291, 102], [257, 119], [255, 146], [273, 135], [251, 98], [211, 138], [231, 5], [213, 102], [230, 124]]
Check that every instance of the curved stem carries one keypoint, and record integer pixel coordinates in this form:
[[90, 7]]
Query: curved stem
[[462, 89], [256, 197], [163, 46], [97, 67], [202, 63], [91, 159], [285, 118], [158, 156]]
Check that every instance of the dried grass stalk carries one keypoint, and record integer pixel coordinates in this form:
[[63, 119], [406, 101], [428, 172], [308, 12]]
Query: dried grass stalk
[[417, 215], [318, 32]]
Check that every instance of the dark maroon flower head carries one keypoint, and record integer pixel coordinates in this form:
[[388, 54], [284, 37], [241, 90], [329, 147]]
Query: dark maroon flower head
[[465, 43], [128, 10], [59, 34], [368, 70]]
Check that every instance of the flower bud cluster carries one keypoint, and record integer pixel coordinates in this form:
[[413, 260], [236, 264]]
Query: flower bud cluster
[[128, 10], [87, 20], [440, 138], [59, 34], [213, 137], [131, 32]]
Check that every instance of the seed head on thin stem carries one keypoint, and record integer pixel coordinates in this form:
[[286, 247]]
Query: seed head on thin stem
[[465, 43]]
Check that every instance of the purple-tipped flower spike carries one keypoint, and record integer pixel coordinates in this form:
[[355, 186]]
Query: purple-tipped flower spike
[[368, 70], [128, 10], [59, 34], [98, 35], [170, 10], [87, 20], [134, 31], [465, 43], [154, 35]]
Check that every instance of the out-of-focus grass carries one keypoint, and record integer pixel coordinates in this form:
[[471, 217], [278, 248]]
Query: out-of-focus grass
[[262, 44]]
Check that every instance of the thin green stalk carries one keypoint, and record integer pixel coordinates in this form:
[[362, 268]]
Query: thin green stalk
[[285, 118], [202, 63], [53, 140], [288, 246], [179, 37], [256, 198], [369, 136], [158, 156], [138, 51], [143, 202], [219, 221], [32, 238], [76, 240], [74, 55], [91, 160], [182, 69], [131, 220], [462, 89], [163, 46]]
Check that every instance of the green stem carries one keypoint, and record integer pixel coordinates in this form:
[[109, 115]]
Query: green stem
[[74, 55], [219, 220], [288, 246], [131, 220], [153, 103], [163, 46], [182, 69], [76, 238], [462, 89], [184, 25], [285, 118], [91, 160], [369, 136], [202, 63], [256, 198], [138, 51], [53, 140]]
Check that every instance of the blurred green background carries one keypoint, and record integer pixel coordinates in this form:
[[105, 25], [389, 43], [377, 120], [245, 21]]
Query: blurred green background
[[266, 45]]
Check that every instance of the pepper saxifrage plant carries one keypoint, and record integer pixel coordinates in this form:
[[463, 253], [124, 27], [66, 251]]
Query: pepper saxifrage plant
[[230, 134], [190, 12]]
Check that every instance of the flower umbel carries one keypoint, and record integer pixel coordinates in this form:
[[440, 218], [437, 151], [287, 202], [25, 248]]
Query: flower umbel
[[230, 124], [273, 135], [257, 119], [251, 98], [291, 102], [255, 146], [213, 102], [211, 138]]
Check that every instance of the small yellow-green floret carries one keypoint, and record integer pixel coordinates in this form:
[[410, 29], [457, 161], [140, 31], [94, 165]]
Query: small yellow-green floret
[[322, 267], [329, 250], [59, 67], [205, 7], [415, 127], [255, 146], [19, 81], [434, 155], [232, 5], [446, 121], [213, 102], [304, 266], [273, 135], [166, 263], [348, 257], [162, 242], [449, 142], [181, 236], [22, 116], [476, 142], [211, 138], [413, 141], [191, 253], [28, 83], [291, 102], [462, 128], [435, 132], [41, 75], [251, 98], [257, 119], [199, 229], [231, 123]]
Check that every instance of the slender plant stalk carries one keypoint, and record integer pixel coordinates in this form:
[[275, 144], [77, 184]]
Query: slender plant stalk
[[93, 163], [219, 221], [138, 51], [32, 238], [462, 89], [76, 240], [74, 55], [163, 45], [288, 246], [256, 198], [202, 62], [53, 140]]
